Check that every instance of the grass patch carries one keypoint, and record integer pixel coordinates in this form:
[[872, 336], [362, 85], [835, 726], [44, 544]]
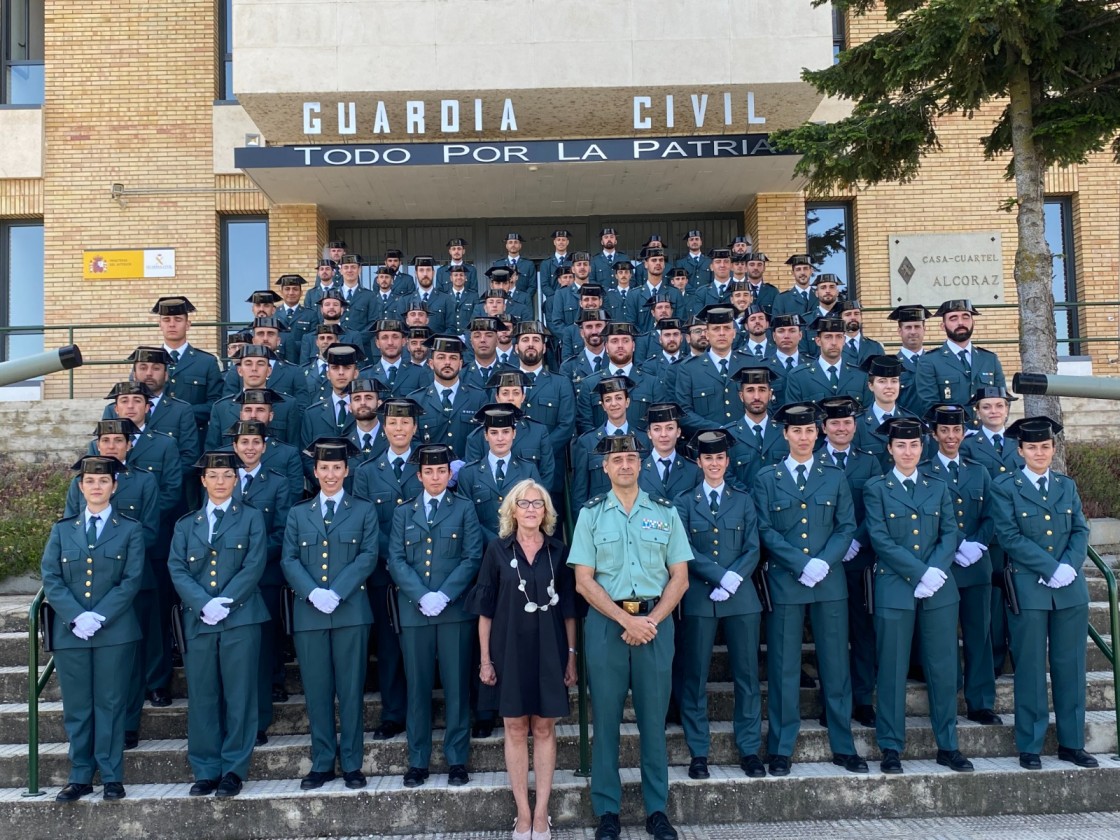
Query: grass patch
[[32, 497], [1095, 466]]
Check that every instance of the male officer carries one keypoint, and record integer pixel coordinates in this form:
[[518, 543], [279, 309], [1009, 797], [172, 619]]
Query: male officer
[[427, 293], [704, 386], [913, 531], [826, 288], [482, 333], [806, 523], [266, 491], [829, 375], [218, 554], [618, 292], [954, 371], [564, 304], [630, 554], [549, 398], [388, 481], [327, 278], [716, 291], [762, 293], [195, 376], [759, 441], [383, 295], [461, 302], [839, 426], [526, 269], [884, 382], [1041, 525], [911, 322], [279, 456], [695, 262], [857, 346], [330, 549], [787, 355], [299, 319], [723, 531], [592, 355], [435, 550], [665, 472], [518, 304], [254, 366], [603, 263], [285, 378], [636, 310], [332, 416], [316, 386], [619, 338], [456, 251], [358, 314], [551, 267], [970, 488], [263, 303], [531, 440], [449, 404], [588, 480], [664, 351], [395, 369], [330, 307], [756, 324], [800, 299]]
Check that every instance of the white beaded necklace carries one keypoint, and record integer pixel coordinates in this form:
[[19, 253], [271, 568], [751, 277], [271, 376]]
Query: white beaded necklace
[[553, 598]]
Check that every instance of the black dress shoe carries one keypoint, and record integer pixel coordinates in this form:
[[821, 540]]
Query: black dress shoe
[[131, 739], [890, 762], [752, 765], [160, 698], [230, 785], [457, 775], [823, 718], [807, 681], [354, 779], [262, 738], [113, 791], [315, 780], [954, 761], [851, 763], [1030, 761], [1078, 757], [482, 729], [415, 776], [698, 768], [864, 715], [659, 826], [609, 827], [73, 792], [279, 694], [779, 765], [985, 717], [204, 787], [387, 729]]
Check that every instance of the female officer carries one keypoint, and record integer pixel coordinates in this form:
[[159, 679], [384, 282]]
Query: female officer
[[1043, 530], [92, 566]]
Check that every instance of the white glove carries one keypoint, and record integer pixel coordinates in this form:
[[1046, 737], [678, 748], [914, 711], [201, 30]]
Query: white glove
[[87, 623], [719, 594], [922, 591], [324, 600], [853, 550], [432, 603], [1064, 575], [971, 551], [456, 465], [729, 583], [816, 570], [215, 610], [933, 579], [805, 580]]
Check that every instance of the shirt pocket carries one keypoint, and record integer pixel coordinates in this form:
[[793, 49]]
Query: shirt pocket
[[784, 513], [824, 512], [608, 549], [66, 565]]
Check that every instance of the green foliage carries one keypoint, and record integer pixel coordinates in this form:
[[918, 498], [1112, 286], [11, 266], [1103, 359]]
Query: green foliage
[[32, 497], [953, 57], [1096, 469]]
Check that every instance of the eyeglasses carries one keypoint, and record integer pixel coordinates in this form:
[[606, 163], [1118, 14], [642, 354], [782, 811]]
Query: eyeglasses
[[527, 504]]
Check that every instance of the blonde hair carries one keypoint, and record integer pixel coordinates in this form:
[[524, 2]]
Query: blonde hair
[[507, 524]]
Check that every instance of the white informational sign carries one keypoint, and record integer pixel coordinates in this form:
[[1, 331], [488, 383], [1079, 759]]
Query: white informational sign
[[927, 268]]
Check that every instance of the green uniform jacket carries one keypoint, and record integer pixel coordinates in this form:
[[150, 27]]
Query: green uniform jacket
[[228, 566], [196, 379], [973, 506], [104, 580], [1038, 534], [442, 557], [269, 494], [859, 468], [940, 377], [477, 485], [810, 383], [339, 558], [709, 400], [798, 525], [909, 536]]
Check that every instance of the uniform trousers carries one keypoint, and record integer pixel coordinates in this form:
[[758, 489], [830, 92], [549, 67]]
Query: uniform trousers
[[449, 646], [332, 663], [94, 685]]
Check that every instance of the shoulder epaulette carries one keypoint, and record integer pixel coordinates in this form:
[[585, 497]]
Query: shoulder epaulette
[[593, 501], [661, 501]]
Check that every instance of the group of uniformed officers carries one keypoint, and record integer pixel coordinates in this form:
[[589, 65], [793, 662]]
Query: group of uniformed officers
[[729, 452]]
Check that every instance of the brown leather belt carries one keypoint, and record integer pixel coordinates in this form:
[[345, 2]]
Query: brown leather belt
[[636, 606]]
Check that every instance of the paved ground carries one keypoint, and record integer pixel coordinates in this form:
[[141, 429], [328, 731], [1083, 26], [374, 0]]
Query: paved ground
[[1047, 827]]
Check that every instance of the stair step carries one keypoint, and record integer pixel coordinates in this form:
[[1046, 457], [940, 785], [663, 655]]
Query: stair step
[[289, 756], [811, 792], [290, 717]]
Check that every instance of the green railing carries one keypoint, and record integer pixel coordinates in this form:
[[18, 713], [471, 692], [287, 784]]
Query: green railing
[[36, 682], [1110, 650]]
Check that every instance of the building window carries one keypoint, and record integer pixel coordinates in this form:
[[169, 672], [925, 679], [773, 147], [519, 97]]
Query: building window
[[21, 260], [1058, 227], [244, 264], [839, 34], [828, 229], [21, 24], [225, 50]]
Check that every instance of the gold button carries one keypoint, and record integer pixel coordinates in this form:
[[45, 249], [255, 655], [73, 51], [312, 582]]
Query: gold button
[[213, 562], [715, 530], [427, 562], [324, 555], [1049, 548], [917, 548], [716, 552], [213, 583], [88, 583], [913, 516], [960, 501], [803, 506], [87, 595], [213, 574], [89, 572], [804, 536], [1049, 533], [324, 542], [960, 512], [324, 565], [429, 539], [915, 532], [715, 542], [324, 578], [89, 559], [892, 515], [805, 550], [214, 553], [804, 521], [428, 551], [1047, 517]]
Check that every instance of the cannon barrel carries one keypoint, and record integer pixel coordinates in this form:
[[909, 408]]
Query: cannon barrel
[[29, 367], [1057, 385]]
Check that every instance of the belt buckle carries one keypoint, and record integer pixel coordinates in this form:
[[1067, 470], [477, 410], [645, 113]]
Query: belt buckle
[[632, 607]]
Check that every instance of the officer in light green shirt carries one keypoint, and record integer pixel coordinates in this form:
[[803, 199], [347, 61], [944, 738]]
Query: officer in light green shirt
[[630, 554]]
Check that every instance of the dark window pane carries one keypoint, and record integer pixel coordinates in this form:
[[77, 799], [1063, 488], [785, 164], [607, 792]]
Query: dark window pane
[[25, 288], [1058, 232], [828, 233], [244, 265]]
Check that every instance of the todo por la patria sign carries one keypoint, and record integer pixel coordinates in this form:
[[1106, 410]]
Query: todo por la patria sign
[[927, 268]]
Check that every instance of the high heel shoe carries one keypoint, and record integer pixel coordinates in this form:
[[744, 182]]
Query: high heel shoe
[[522, 835], [544, 835]]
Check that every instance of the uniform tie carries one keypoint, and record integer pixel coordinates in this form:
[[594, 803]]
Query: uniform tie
[[666, 465], [367, 439], [723, 368], [458, 297], [432, 505], [963, 356], [833, 379], [330, 512], [801, 476], [1042, 486], [622, 292], [532, 377], [485, 371], [217, 515], [789, 363], [342, 412], [391, 374], [91, 531], [246, 483], [758, 350], [997, 442], [954, 471], [713, 505], [175, 357], [841, 458], [398, 467], [447, 399], [500, 471], [852, 345], [349, 294], [598, 363], [617, 372], [909, 485], [424, 297], [758, 434], [887, 415]]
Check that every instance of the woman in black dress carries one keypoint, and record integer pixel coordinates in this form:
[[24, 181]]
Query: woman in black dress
[[526, 601]]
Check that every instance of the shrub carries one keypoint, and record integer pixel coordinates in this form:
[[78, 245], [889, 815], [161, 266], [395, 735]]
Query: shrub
[[32, 497], [1095, 466]]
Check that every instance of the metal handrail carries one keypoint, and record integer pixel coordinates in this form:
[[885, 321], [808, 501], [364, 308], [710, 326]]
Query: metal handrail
[[1109, 650], [36, 682]]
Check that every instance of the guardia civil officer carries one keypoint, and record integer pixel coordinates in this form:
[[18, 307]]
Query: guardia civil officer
[[435, 550], [630, 553], [913, 533], [92, 566], [218, 554], [330, 549], [953, 372], [722, 529], [588, 479], [806, 524], [970, 489], [194, 376], [1043, 529]]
